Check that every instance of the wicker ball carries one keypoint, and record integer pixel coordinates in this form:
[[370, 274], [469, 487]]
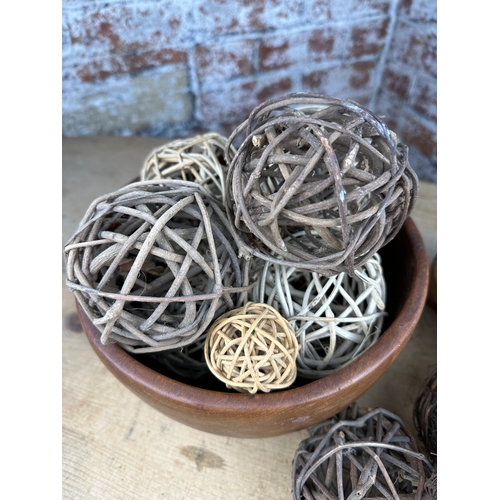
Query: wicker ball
[[153, 263], [198, 159], [360, 454], [186, 362], [425, 415], [431, 486], [320, 182], [335, 319], [252, 348]]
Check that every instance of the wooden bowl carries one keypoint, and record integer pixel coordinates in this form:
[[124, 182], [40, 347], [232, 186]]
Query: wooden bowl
[[219, 411]]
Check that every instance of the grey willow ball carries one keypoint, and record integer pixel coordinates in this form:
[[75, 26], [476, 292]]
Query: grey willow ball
[[153, 263], [319, 182], [357, 454], [425, 415]]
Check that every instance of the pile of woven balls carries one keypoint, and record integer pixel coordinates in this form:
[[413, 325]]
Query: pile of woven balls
[[252, 258]]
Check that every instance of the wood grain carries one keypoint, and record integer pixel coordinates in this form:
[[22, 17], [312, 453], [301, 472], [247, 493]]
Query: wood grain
[[115, 446]]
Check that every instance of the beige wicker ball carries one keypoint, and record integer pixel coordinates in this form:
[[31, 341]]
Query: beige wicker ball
[[252, 348], [198, 159], [319, 182], [153, 263]]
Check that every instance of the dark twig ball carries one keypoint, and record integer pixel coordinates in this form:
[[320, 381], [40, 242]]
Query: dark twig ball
[[425, 415], [320, 182], [187, 362], [153, 263], [360, 454]]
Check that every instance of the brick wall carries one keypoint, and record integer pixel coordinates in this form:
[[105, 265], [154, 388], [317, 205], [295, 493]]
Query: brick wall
[[407, 92], [179, 67]]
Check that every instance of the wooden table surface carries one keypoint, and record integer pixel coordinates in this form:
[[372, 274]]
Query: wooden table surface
[[117, 447]]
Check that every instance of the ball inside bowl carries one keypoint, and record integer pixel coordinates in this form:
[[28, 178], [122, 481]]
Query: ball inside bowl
[[206, 404]]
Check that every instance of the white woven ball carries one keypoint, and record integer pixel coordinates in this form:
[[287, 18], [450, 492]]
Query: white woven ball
[[335, 319]]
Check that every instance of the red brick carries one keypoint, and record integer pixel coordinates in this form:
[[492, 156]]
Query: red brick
[[397, 83], [363, 99], [233, 101], [333, 10], [221, 62], [342, 79], [424, 98], [415, 132], [415, 44], [316, 80], [273, 89], [120, 28], [320, 44], [367, 37], [274, 52], [362, 74], [419, 10], [299, 47], [405, 46], [401, 44], [217, 17], [103, 67], [429, 53]]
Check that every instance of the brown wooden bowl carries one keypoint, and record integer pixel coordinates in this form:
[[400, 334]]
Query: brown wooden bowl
[[226, 413]]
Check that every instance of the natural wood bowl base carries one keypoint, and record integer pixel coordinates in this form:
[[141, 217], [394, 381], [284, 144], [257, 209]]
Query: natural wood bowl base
[[214, 409]]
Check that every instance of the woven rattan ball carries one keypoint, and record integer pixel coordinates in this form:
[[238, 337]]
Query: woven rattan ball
[[186, 362], [320, 182], [425, 415], [252, 348], [198, 159], [335, 319], [153, 263], [360, 454]]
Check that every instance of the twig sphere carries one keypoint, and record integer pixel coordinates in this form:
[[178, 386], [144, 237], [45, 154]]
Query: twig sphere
[[187, 362], [431, 487], [335, 319], [425, 414], [320, 182], [197, 159], [354, 455], [252, 348], [153, 263]]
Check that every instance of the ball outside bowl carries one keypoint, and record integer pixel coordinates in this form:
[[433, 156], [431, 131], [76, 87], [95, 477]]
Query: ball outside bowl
[[219, 411]]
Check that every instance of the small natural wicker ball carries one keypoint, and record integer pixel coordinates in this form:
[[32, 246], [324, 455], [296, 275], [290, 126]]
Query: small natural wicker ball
[[425, 414], [320, 182], [335, 319], [360, 454], [198, 159], [252, 348], [153, 263]]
